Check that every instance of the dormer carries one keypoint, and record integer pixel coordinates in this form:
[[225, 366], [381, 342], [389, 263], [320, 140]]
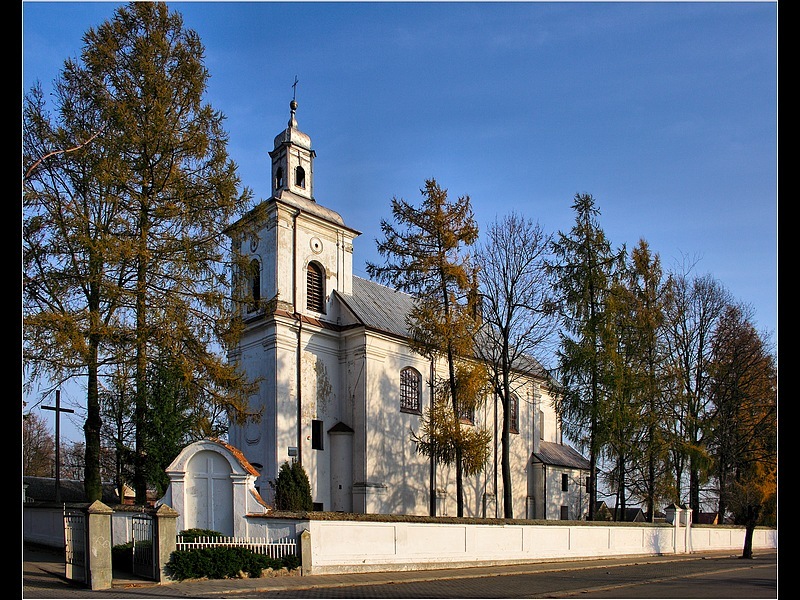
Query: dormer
[[293, 160]]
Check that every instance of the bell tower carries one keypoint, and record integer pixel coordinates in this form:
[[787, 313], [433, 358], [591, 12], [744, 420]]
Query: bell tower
[[293, 160]]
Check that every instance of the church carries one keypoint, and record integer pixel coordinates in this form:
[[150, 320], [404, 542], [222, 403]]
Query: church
[[340, 388]]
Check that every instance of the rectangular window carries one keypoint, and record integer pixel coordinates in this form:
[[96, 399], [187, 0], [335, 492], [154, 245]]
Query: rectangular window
[[564, 482], [514, 420], [565, 513], [316, 435], [467, 415], [317, 506], [588, 484], [541, 424]]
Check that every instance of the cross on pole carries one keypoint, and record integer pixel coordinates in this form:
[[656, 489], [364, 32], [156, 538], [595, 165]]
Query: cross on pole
[[58, 410], [294, 88]]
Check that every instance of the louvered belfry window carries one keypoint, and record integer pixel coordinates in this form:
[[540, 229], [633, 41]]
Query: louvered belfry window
[[315, 288]]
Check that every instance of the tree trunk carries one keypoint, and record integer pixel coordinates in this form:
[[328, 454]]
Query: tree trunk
[[92, 484], [750, 526], [508, 503]]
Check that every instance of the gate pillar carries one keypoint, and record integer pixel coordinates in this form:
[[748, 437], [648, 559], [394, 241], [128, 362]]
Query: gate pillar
[[165, 539], [98, 555]]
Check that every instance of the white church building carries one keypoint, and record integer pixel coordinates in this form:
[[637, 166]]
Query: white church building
[[340, 388]]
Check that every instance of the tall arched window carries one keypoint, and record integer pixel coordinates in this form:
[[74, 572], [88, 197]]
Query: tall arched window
[[255, 285], [315, 288], [300, 177], [278, 178], [410, 384]]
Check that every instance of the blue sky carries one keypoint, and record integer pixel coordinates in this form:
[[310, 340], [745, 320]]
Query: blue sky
[[666, 112]]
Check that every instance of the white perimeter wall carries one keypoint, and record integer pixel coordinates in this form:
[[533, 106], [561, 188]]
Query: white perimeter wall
[[353, 546], [346, 547]]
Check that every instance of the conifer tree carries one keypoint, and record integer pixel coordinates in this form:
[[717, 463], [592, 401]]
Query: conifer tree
[[743, 442], [426, 256], [637, 438], [640, 300], [124, 236], [584, 266], [292, 488]]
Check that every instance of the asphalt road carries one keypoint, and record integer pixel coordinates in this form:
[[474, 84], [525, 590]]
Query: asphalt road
[[726, 577], [712, 575]]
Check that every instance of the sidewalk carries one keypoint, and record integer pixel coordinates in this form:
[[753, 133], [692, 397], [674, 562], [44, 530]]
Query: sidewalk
[[43, 577]]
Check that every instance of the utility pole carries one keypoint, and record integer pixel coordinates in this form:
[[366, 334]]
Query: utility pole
[[58, 410]]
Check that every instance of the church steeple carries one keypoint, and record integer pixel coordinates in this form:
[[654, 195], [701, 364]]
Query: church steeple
[[293, 160]]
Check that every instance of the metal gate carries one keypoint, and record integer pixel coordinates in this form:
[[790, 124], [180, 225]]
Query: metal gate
[[144, 564], [75, 544]]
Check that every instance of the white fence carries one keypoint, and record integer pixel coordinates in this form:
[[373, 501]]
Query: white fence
[[271, 548]]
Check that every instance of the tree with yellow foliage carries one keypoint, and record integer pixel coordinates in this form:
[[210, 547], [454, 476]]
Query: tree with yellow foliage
[[743, 387], [426, 251]]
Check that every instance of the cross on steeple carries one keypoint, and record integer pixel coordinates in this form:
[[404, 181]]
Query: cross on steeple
[[294, 88]]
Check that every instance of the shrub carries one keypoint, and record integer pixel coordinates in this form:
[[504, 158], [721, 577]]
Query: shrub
[[221, 562], [190, 535], [292, 488]]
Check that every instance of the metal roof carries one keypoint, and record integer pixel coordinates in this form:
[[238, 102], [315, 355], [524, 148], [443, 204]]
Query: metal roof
[[560, 455], [379, 307], [385, 309]]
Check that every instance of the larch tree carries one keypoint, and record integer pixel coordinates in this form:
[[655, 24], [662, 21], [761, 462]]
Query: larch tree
[[583, 266], [620, 382], [743, 442], [75, 256], [425, 253], [163, 189], [636, 437], [516, 318]]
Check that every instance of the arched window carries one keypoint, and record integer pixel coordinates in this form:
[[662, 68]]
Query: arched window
[[514, 416], [410, 387], [300, 177], [315, 288], [255, 285], [278, 178]]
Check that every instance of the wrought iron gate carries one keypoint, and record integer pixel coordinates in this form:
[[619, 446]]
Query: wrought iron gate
[[144, 564], [75, 543]]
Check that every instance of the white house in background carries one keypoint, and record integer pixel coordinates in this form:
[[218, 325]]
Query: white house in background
[[341, 389]]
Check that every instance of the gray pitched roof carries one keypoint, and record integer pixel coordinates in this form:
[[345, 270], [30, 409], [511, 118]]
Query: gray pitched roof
[[385, 309], [560, 455], [379, 307]]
